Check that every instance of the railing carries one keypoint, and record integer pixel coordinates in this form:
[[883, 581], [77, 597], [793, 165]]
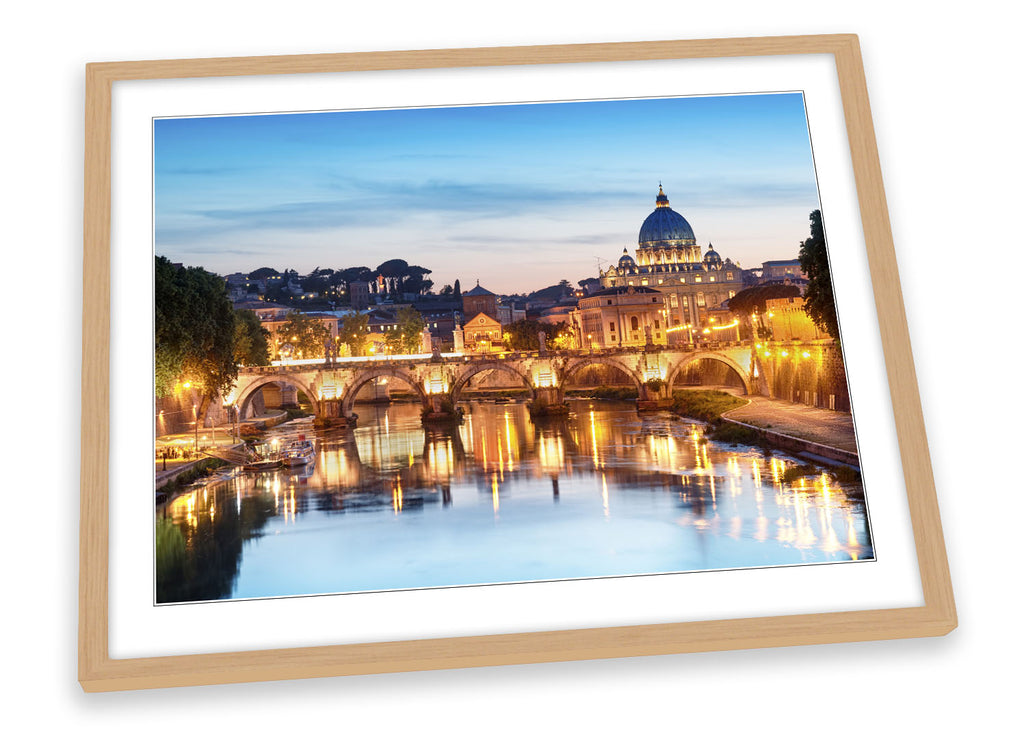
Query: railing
[[358, 363]]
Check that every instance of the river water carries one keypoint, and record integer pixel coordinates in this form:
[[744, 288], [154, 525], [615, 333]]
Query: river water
[[501, 498]]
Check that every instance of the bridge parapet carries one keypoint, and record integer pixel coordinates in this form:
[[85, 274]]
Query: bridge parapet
[[333, 387]]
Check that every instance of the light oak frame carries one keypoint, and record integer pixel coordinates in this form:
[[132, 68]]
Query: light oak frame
[[98, 672]]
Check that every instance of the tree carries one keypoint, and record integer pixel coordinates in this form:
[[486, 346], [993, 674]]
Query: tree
[[354, 332], [318, 280], [524, 335], [305, 334], [408, 330], [819, 301], [749, 302], [457, 291], [252, 347], [755, 298], [194, 330], [263, 273]]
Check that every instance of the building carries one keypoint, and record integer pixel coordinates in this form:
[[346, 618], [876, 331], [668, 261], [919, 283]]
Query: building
[[782, 270], [481, 334], [788, 321], [359, 295], [272, 316], [478, 300], [620, 317], [669, 260]]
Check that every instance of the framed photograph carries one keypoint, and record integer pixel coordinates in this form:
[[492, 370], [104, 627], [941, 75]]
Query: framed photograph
[[438, 359]]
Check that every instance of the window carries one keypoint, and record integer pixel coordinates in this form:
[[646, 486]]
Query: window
[[728, 275], [700, 299], [654, 299], [698, 279], [674, 300], [611, 326], [634, 324], [609, 301], [711, 278], [732, 293], [657, 325]]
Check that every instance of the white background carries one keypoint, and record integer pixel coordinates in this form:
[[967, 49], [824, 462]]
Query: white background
[[942, 92]]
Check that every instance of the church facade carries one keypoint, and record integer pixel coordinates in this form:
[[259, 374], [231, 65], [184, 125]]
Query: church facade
[[669, 260]]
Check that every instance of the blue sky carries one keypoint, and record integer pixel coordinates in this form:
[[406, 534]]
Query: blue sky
[[517, 196]]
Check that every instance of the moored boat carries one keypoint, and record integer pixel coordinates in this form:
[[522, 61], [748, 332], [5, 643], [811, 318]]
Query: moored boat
[[265, 464], [299, 452]]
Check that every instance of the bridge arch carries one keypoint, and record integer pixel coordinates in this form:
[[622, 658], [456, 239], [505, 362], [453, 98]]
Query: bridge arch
[[473, 369], [577, 365], [246, 394], [367, 375], [675, 371]]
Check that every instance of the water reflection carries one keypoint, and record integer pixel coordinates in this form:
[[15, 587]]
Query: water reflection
[[499, 498]]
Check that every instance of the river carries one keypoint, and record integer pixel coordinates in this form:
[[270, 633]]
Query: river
[[501, 498]]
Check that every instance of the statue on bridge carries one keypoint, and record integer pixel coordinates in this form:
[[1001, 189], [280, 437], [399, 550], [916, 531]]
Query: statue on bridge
[[330, 352]]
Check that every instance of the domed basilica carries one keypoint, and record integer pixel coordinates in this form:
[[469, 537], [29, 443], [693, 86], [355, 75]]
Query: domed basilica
[[669, 260]]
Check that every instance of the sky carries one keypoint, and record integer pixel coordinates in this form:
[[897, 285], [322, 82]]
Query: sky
[[515, 196]]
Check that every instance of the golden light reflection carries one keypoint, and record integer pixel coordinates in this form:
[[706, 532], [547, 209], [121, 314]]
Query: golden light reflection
[[815, 515], [397, 496], [593, 441]]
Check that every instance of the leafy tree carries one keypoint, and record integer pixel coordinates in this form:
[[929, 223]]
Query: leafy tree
[[263, 273], [415, 280], [524, 335], [819, 302], [252, 347], [194, 336], [457, 290], [316, 281], [446, 290], [408, 331], [754, 300], [351, 274], [354, 332], [306, 335]]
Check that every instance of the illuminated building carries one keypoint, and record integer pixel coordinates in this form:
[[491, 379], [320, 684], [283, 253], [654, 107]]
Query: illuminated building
[[788, 321], [669, 260], [620, 317], [481, 334]]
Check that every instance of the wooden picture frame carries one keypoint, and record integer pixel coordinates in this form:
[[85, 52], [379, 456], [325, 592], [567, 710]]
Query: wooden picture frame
[[98, 671]]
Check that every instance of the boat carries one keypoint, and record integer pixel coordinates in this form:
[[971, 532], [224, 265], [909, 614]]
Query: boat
[[298, 452], [265, 464]]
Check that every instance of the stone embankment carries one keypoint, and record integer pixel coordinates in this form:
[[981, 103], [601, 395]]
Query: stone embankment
[[819, 434]]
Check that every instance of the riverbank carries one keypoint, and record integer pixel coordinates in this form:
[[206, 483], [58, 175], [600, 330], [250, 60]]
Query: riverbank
[[169, 481], [819, 435]]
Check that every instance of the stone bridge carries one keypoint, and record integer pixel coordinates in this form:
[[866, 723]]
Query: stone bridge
[[333, 387]]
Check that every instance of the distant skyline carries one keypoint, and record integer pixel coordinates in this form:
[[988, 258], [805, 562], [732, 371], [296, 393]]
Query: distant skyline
[[517, 196]]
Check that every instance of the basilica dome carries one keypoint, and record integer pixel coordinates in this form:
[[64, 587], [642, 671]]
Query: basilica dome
[[626, 261], [665, 226], [711, 258]]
